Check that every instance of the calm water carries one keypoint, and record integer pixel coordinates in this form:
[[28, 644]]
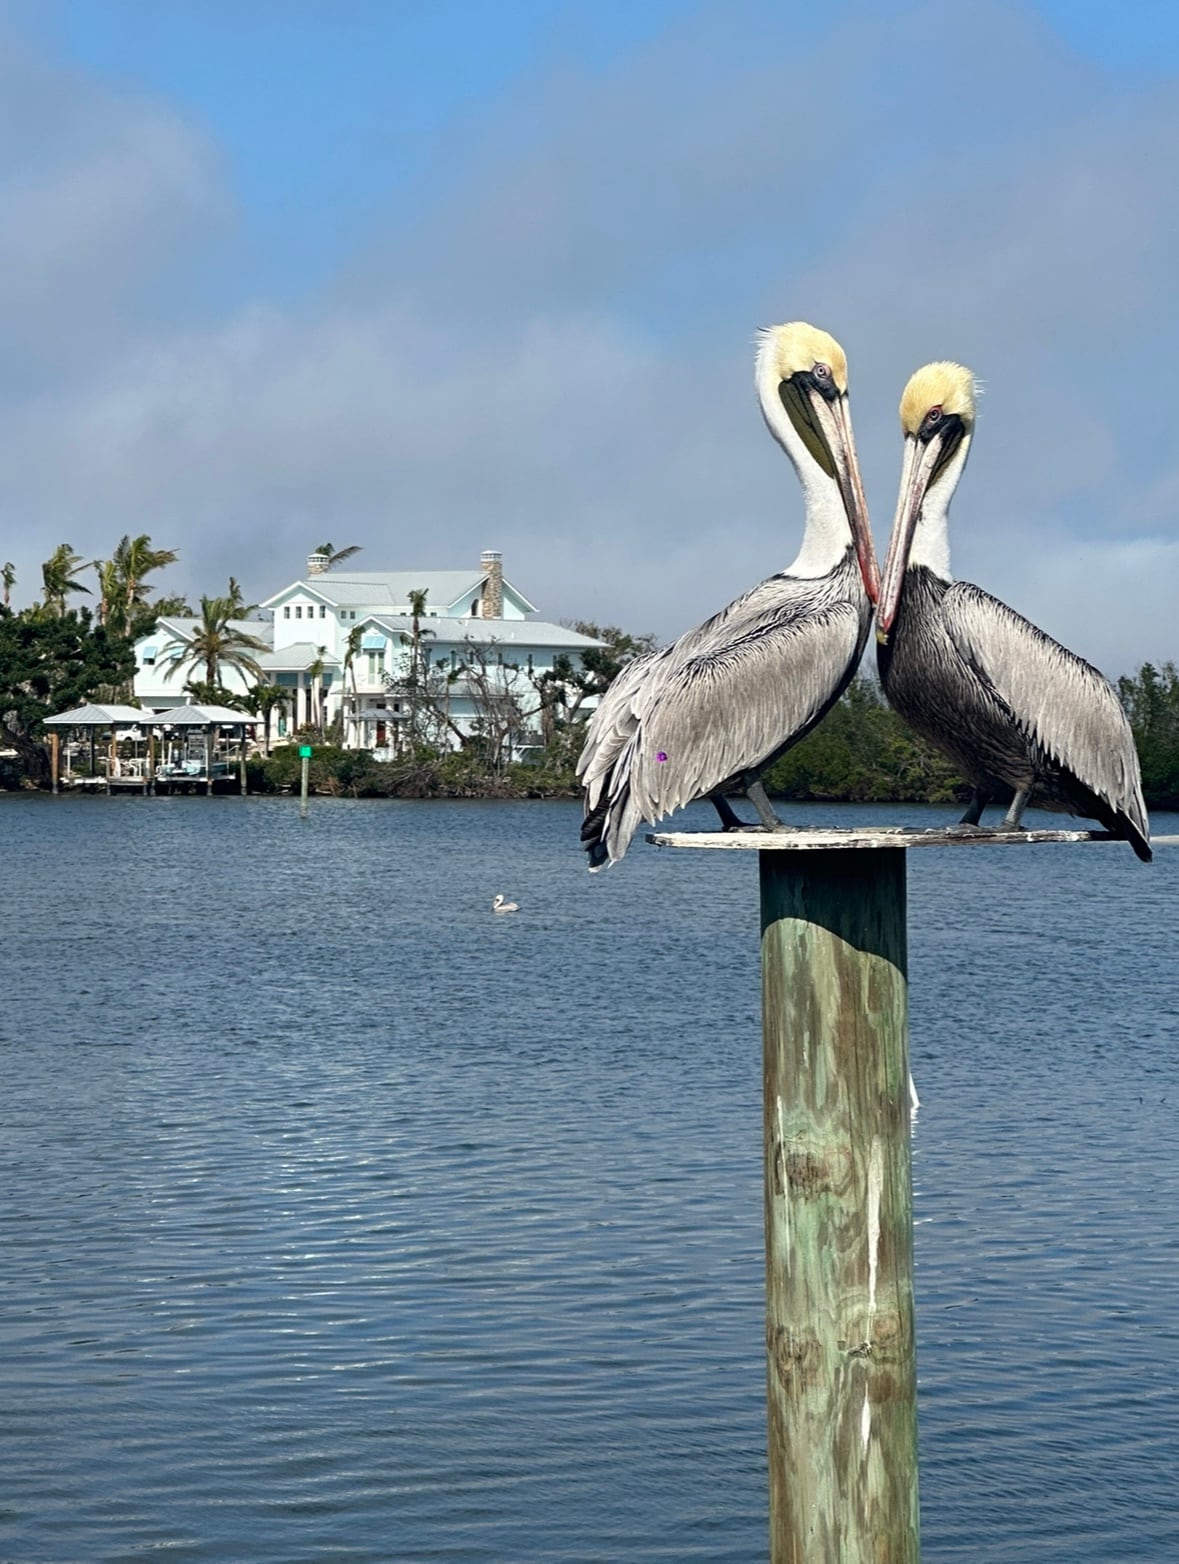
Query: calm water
[[344, 1221]]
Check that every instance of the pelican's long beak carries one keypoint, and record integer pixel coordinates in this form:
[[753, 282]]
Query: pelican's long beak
[[833, 421], [919, 464]]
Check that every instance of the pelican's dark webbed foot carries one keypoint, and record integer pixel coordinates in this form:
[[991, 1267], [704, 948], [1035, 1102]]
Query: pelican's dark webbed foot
[[729, 818], [971, 822], [974, 810], [767, 820], [756, 794]]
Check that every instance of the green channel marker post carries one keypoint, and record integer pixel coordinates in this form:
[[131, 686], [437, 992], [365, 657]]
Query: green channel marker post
[[840, 1336], [304, 778]]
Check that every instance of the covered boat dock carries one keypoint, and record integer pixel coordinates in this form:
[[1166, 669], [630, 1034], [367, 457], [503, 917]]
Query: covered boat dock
[[169, 761]]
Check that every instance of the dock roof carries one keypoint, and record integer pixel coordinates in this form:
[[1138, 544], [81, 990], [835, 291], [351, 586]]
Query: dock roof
[[94, 716]]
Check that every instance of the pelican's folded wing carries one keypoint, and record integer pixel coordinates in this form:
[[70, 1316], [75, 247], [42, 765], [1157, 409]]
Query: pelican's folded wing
[[722, 712], [615, 722], [1058, 699]]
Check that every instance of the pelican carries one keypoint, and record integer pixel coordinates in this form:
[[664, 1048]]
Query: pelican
[[1012, 708], [706, 715], [500, 905]]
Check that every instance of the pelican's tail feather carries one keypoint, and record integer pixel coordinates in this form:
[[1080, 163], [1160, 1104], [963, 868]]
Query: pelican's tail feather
[[608, 827]]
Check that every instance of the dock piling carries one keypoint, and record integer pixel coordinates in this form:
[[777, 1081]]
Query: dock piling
[[840, 1347], [840, 1338]]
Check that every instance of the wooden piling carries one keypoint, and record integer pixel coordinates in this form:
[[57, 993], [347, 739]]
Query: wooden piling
[[840, 1344], [55, 758], [841, 1355], [304, 783]]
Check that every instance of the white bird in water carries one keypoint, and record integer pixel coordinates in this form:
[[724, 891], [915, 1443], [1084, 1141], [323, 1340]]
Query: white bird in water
[[500, 905], [706, 715], [1013, 709]]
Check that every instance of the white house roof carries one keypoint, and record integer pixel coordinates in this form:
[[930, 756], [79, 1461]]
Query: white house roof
[[488, 632], [185, 629], [296, 658], [371, 588]]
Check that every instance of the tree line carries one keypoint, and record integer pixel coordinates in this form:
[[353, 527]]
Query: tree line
[[60, 652]]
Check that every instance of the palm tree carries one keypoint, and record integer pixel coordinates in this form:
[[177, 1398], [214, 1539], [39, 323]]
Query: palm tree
[[266, 699], [8, 577], [174, 607], [417, 672], [417, 612], [218, 644], [237, 601], [134, 559], [108, 590], [59, 574], [334, 556], [351, 652], [315, 673]]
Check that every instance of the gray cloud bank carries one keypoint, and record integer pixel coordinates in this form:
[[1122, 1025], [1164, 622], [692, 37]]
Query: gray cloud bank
[[552, 354]]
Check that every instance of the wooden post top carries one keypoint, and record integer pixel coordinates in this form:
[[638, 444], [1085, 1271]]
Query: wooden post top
[[825, 839]]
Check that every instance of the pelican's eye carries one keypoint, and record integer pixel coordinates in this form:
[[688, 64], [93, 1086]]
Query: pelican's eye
[[824, 382], [930, 422]]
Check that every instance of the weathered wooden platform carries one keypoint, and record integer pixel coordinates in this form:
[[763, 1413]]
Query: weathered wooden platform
[[758, 840]]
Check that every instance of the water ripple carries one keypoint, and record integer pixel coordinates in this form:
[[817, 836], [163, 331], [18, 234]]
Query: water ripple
[[342, 1221]]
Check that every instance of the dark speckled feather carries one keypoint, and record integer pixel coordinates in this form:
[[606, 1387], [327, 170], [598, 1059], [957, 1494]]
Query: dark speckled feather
[[1010, 706]]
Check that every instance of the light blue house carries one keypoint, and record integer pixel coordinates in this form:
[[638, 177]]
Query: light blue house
[[345, 643]]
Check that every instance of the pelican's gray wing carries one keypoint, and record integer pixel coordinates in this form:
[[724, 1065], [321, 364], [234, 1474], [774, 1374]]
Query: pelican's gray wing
[[776, 660], [1058, 699], [614, 722]]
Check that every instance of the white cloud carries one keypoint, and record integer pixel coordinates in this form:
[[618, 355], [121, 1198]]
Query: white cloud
[[102, 196], [555, 359]]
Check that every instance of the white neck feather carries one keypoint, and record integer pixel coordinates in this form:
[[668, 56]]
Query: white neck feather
[[828, 533], [931, 536]]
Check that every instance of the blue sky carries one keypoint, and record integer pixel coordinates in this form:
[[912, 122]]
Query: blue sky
[[330, 113], [433, 278]]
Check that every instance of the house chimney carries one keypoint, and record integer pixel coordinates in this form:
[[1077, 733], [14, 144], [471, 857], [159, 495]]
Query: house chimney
[[493, 588], [317, 563]]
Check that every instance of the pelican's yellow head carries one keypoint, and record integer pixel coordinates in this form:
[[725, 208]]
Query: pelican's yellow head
[[798, 349], [801, 380], [937, 419], [938, 391]]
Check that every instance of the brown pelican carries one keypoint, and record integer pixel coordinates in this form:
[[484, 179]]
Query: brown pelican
[[1012, 708], [706, 715], [500, 905]]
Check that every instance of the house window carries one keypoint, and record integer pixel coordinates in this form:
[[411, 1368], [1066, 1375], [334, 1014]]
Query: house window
[[529, 662], [286, 613], [323, 611], [299, 612], [475, 609]]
